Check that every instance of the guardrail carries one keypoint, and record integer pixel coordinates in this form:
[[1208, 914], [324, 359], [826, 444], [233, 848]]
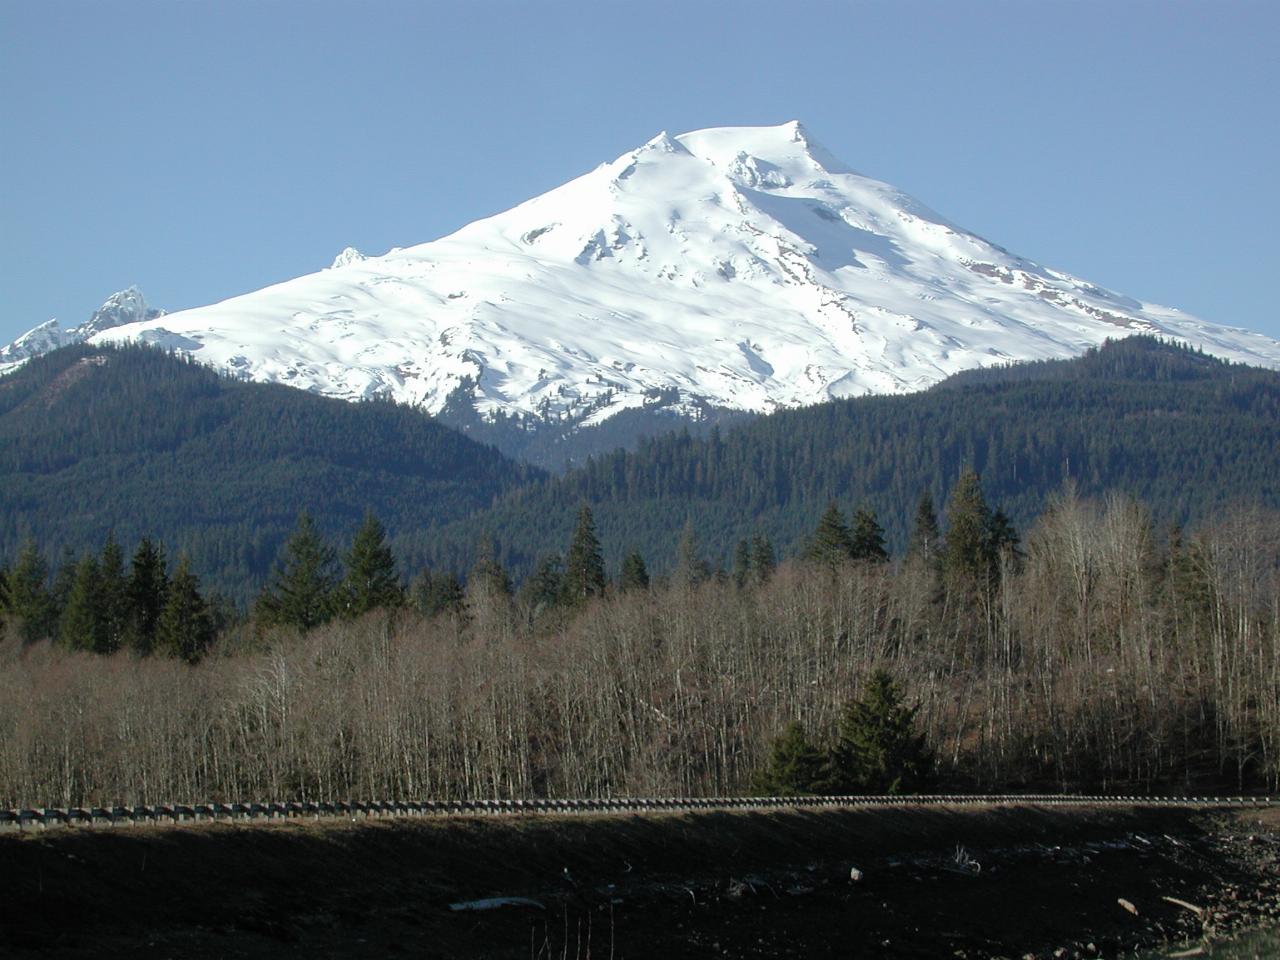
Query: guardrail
[[355, 809]]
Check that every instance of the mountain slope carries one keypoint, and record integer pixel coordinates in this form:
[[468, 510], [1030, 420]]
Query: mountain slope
[[1186, 433], [96, 439], [741, 268]]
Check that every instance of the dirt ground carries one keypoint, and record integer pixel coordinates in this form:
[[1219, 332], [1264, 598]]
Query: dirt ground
[[930, 882]]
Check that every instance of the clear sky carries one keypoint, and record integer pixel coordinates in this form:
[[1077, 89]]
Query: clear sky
[[202, 149]]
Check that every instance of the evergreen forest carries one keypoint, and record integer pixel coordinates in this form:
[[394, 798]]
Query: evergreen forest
[[1185, 433], [130, 442]]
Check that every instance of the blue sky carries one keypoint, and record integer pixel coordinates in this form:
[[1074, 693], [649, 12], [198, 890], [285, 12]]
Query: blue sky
[[204, 149]]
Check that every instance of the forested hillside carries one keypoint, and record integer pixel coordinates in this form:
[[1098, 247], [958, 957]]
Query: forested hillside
[[133, 441], [143, 444], [1182, 431]]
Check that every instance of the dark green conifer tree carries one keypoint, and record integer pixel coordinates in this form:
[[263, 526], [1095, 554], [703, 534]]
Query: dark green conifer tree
[[64, 577], [796, 767], [742, 564], [968, 558], [691, 567], [831, 543], [30, 606], [185, 630], [635, 575], [543, 589], [114, 597], [926, 536], [1189, 607], [81, 626], [438, 593], [1004, 538], [301, 592], [877, 748], [372, 580], [584, 563], [146, 591], [763, 559], [868, 537], [489, 576]]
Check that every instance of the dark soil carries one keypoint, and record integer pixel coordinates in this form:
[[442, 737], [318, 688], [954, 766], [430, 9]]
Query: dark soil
[[935, 882]]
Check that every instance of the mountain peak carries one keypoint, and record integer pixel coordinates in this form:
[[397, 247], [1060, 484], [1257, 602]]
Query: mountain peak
[[123, 307], [786, 145]]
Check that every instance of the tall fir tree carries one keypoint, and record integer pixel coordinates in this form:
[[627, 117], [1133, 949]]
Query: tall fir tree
[[742, 564], [878, 749], [372, 580], [437, 593], [926, 537], [302, 589], [635, 575], [832, 542], [146, 592], [867, 537], [796, 767], [488, 576], [691, 567], [30, 606], [81, 626], [543, 589], [185, 630], [1189, 604], [113, 589], [968, 558], [1003, 537], [584, 563], [64, 577], [763, 559]]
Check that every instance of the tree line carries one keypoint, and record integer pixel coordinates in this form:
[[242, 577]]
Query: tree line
[[1090, 651], [95, 604]]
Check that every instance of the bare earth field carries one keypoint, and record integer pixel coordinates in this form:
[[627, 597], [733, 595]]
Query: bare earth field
[[970, 882]]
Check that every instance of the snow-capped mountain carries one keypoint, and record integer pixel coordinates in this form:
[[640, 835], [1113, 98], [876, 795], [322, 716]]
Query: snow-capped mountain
[[127, 306], [743, 266]]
